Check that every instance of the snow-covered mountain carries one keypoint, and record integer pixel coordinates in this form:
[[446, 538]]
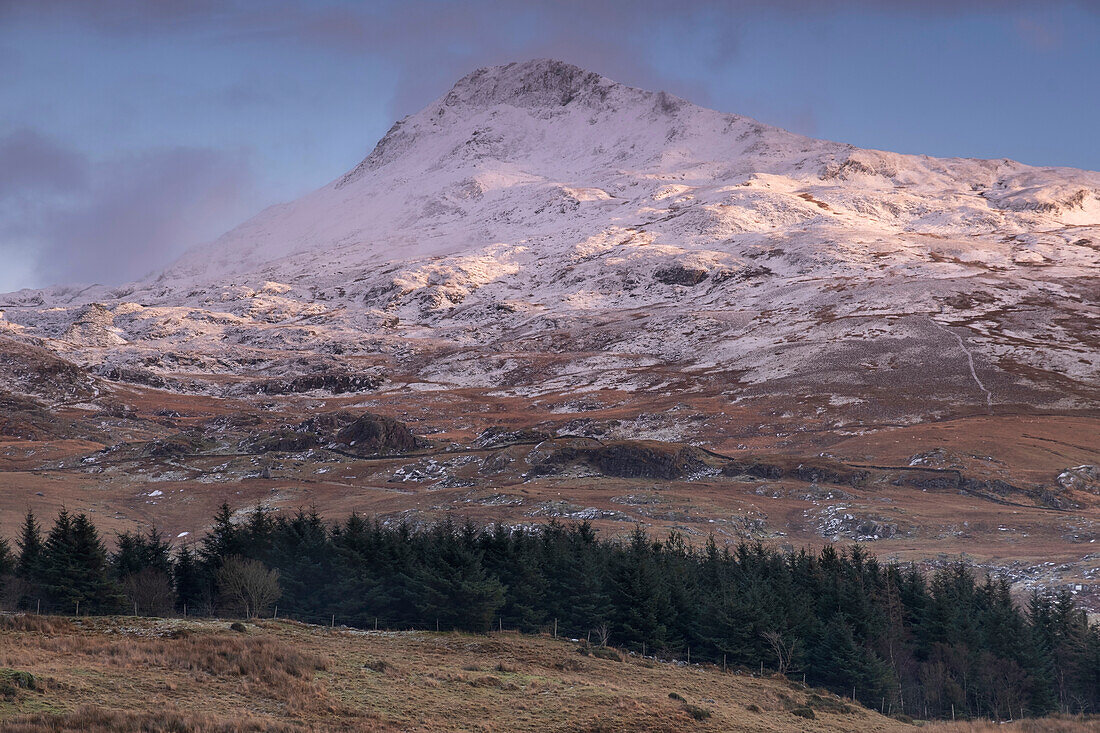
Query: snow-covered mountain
[[542, 228]]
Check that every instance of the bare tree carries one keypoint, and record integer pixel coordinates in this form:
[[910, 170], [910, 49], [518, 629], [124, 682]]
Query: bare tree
[[784, 651], [248, 585], [150, 592], [603, 634]]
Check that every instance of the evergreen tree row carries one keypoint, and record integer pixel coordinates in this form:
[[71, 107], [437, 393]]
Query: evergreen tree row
[[932, 645]]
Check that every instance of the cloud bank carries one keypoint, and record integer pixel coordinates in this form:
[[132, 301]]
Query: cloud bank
[[65, 219]]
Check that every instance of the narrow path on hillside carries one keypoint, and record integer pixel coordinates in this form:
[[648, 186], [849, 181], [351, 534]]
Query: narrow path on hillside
[[969, 361]]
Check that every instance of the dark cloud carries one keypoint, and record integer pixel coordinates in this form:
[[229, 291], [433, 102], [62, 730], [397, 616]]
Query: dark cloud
[[430, 43], [114, 221], [119, 15], [31, 163]]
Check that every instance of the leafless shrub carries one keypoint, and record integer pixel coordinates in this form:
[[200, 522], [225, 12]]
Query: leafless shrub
[[150, 592], [784, 650], [248, 585], [602, 634]]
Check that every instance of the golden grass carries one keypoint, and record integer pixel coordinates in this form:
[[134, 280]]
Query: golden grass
[[131, 675], [92, 719], [1044, 725]]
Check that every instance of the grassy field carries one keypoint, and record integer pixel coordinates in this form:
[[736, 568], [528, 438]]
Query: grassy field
[[152, 675]]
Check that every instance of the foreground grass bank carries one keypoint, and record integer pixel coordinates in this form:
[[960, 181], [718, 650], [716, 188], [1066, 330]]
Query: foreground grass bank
[[127, 674]]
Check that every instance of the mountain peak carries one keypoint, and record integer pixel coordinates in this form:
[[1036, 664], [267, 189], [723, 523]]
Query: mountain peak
[[534, 83]]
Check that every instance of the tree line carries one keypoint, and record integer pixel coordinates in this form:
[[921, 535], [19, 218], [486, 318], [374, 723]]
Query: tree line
[[952, 642]]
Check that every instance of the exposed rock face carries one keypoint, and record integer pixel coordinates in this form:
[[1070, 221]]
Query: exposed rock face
[[497, 436], [286, 441], [180, 444], [365, 435], [625, 459], [334, 383], [372, 434], [32, 370], [1081, 478], [681, 275], [132, 375], [818, 470]]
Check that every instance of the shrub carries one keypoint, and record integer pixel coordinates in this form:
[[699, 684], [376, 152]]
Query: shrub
[[803, 712], [753, 708], [827, 704], [14, 680], [675, 696], [605, 652], [568, 665], [35, 624], [697, 712], [238, 627]]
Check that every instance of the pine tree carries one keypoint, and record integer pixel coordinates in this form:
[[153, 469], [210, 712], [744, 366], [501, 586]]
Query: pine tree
[[30, 548], [29, 564], [452, 585], [189, 581], [8, 563], [222, 541], [640, 594]]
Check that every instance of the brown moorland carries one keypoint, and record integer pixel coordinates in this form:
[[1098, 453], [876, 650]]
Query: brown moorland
[[115, 675]]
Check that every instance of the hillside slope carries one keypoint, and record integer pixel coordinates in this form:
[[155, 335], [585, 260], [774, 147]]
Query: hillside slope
[[133, 671]]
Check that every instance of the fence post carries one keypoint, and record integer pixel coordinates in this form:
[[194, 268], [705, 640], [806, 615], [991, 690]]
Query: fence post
[[78, 608], [555, 628], [39, 612], [376, 623], [276, 611], [723, 663], [135, 608], [334, 620]]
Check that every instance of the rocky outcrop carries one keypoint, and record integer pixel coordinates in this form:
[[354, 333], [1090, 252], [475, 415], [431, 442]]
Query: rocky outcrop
[[498, 436], [334, 383], [180, 444], [286, 441], [32, 370], [813, 470], [364, 434], [1080, 478], [680, 275], [132, 375], [371, 434], [624, 459]]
